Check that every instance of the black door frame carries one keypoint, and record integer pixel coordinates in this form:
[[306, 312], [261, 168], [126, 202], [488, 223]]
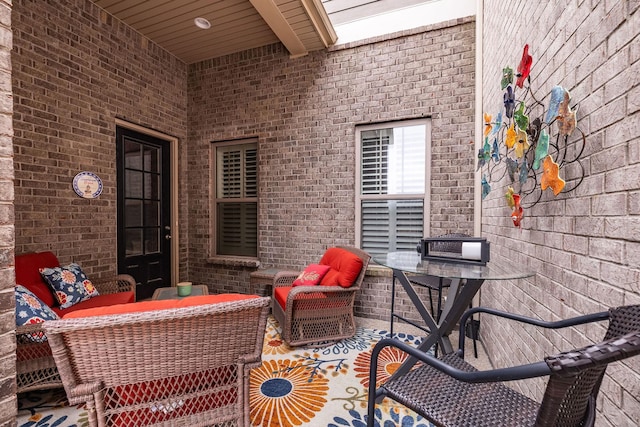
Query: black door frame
[[173, 154]]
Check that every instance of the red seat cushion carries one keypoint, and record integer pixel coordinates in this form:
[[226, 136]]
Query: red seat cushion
[[345, 267], [154, 395], [98, 301], [154, 414], [281, 294], [28, 274], [157, 305]]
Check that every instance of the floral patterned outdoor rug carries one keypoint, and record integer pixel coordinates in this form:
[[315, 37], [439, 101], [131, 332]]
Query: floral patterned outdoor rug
[[305, 386], [49, 408]]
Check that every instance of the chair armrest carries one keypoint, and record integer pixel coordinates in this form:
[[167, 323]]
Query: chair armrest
[[119, 283], [564, 323], [25, 333], [82, 393], [318, 289], [30, 328], [520, 372], [570, 363], [284, 278]]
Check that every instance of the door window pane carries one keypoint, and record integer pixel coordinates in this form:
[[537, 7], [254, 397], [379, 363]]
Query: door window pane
[[133, 213], [133, 241], [152, 213], [151, 159], [151, 186], [151, 240], [143, 198], [133, 180], [132, 155]]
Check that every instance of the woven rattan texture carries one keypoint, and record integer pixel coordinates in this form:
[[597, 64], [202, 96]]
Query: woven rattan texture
[[569, 400], [36, 369], [577, 374], [311, 316], [187, 366], [448, 402]]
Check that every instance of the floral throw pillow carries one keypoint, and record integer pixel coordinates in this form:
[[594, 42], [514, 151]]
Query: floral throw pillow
[[312, 275], [30, 309], [69, 283]]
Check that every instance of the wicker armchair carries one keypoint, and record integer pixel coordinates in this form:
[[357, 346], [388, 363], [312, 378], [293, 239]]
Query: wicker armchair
[[186, 366], [450, 392], [35, 367], [314, 314]]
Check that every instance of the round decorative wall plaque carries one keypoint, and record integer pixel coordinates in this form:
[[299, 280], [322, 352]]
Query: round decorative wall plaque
[[87, 185]]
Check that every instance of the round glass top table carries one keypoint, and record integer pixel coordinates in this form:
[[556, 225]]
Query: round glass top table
[[412, 262], [466, 279]]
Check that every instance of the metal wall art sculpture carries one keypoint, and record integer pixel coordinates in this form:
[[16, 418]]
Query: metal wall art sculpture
[[533, 143]]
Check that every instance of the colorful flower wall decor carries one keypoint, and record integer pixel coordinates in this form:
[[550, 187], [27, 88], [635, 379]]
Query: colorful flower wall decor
[[535, 144]]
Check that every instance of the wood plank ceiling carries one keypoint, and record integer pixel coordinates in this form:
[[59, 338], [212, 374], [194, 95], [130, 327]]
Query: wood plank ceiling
[[236, 25]]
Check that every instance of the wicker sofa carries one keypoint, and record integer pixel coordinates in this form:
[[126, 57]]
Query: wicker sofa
[[162, 363], [35, 366]]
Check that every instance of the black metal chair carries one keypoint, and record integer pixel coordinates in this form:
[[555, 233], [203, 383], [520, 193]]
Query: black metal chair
[[450, 392]]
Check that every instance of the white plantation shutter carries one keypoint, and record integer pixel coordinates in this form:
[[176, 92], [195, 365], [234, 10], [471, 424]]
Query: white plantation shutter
[[375, 157], [392, 187], [236, 199], [409, 224], [231, 179], [391, 225]]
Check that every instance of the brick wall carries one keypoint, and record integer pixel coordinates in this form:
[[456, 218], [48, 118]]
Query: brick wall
[[75, 70], [304, 113], [584, 245], [7, 301]]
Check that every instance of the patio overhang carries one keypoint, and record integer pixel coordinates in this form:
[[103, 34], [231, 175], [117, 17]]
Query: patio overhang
[[302, 26]]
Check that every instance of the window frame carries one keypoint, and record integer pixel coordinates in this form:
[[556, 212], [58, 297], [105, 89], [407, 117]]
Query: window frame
[[425, 197], [215, 200]]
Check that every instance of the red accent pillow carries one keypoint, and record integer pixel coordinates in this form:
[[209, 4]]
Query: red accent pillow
[[345, 267], [28, 275], [312, 275]]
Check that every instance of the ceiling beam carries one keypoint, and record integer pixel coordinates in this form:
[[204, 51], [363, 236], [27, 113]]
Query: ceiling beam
[[270, 12], [320, 19]]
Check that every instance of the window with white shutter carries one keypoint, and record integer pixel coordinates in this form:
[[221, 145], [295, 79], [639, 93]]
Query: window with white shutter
[[392, 197], [236, 198]]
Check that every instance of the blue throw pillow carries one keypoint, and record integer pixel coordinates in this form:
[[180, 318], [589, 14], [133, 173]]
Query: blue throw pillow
[[69, 283], [30, 309]]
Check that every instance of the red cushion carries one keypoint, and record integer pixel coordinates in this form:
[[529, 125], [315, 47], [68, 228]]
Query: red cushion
[[331, 278], [98, 301], [311, 275], [345, 267], [157, 305], [281, 293], [28, 274], [151, 394], [152, 413]]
